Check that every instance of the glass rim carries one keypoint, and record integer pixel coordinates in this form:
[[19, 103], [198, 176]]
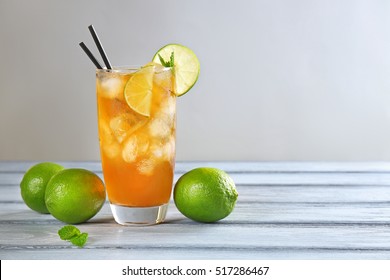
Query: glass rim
[[120, 69], [126, 69]]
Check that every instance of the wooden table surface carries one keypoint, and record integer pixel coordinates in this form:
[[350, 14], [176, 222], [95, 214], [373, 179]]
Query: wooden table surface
[[285, 210]]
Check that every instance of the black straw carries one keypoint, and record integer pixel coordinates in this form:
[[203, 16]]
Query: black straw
[[90, 55], [99, 46]]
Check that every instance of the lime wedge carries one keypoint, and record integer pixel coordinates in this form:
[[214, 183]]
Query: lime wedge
[[186, 66], [138, 90]]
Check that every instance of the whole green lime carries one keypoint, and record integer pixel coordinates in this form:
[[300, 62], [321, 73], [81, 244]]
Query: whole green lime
[[34, 182], [75, 195], [205, 194]]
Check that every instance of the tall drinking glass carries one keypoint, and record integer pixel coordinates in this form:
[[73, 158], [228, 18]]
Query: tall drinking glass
[[137, 124]]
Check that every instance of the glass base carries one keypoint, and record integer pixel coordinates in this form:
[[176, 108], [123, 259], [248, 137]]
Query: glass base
[[139, 216]]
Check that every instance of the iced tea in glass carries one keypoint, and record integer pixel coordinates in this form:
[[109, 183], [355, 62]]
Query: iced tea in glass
[[137, 140]]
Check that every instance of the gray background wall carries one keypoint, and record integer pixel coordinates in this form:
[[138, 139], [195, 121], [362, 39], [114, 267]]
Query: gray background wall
[[280, 80]]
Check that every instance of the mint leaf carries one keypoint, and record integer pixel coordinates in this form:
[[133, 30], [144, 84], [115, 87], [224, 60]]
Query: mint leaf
[[172, 60], [67, 232], [162, 61], [169, 63], [80, 240], [73, 235]]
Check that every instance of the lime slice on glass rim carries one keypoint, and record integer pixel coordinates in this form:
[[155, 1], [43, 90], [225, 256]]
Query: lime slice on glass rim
[[186, 66]]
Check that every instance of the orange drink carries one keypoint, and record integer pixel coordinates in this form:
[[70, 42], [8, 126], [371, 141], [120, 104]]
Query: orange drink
[[137, 124]]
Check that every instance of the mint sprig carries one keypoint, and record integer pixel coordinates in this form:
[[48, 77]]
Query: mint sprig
[[169, 63], [73, 235]]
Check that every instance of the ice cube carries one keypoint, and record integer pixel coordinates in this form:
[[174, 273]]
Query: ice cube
[[111, 150], [134, 146], [163, 78], [156, 150], [159, 128], [168, 106], [146, 166], [105, 132], [125, 124], [111, 86], [169, 149], [119, 127], [129, 151], [163, 151], [167, 111], [109, 146]]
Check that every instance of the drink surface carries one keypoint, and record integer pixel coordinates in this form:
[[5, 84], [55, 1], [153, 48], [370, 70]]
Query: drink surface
[[137, 151]]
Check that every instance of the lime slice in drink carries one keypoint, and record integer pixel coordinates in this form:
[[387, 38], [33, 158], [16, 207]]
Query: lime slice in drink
[[186, 66], [138, 90]]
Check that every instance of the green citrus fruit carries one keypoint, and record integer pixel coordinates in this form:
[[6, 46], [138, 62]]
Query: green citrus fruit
[[33, 185], [75, 195], [186, 66], [205, 194]]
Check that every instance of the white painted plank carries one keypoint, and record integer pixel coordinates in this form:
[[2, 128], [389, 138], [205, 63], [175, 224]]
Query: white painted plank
[[313, 194], [202, 237], [244, 213], [192, 254], [239, 166], [281, 194], [286, 179]]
